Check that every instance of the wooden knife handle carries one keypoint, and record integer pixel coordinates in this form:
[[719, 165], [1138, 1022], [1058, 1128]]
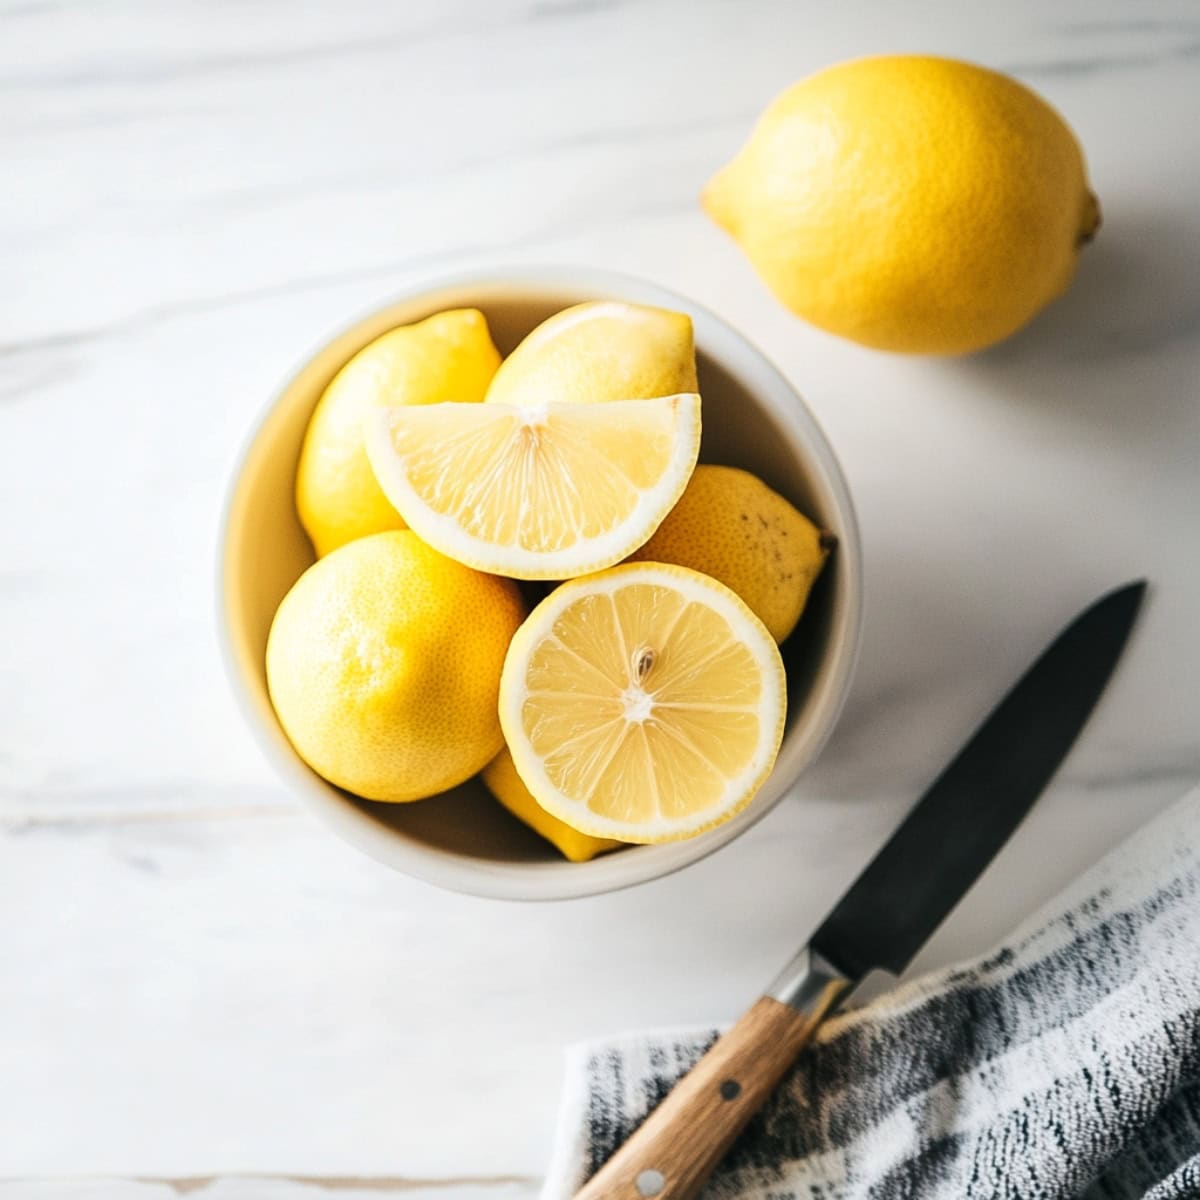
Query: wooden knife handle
[[675, 1150]]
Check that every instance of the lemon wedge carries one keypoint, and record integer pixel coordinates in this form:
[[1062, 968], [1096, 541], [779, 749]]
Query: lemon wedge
[[644, 703], [546, 492]]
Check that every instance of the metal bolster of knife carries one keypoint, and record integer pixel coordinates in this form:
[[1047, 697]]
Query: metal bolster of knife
[[811, 985]]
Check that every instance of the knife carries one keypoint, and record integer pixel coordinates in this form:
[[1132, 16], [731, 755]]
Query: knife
[[890, 911]]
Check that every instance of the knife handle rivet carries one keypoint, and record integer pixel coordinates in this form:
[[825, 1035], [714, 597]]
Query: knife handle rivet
[[731, 1089], [650, 1183]]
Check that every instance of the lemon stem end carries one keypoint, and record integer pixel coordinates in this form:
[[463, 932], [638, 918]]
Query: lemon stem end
[[1091, 222]]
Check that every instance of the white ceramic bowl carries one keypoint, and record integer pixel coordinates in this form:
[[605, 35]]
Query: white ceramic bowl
[[463, 839]]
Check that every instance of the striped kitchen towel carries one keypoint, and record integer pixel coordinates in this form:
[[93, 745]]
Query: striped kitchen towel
[[1063, 1063]]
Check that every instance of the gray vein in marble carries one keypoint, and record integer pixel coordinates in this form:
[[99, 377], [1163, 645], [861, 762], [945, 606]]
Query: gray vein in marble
[[156, 314], [1122, 27], [252, 198], [572, 8], [1184, 772], [38, 8], [30, 9], [1097, 64], [849, 772], [171, 71], [57, 341], [41, 374], [26, 810], [29, 810], [120, 119], [25, 583], [177, 70], [615, 136]]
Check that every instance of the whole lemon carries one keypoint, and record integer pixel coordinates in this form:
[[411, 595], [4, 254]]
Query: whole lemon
[[449, 356], [910, 203], [730, 525], [603, 350], [383, 664]]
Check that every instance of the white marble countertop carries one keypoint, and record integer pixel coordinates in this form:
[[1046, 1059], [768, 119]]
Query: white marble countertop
[[204, 993]]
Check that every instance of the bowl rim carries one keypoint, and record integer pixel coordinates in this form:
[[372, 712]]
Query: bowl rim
[[641, 864]]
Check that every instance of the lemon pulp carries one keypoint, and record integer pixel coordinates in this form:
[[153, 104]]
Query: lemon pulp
[[645, 703], [536, 493]]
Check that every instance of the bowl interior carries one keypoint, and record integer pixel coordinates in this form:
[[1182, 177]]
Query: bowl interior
[[463, 838]]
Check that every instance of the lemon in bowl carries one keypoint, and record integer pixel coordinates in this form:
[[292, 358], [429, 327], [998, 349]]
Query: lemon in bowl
[[383, 664], [463, 838], [447, 356]]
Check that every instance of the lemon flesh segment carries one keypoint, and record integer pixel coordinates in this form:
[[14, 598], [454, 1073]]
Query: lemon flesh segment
[[645, 703], [536, 493]]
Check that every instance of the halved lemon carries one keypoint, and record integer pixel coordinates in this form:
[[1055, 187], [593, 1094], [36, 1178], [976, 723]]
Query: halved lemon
[[644, 703], [546, 492]]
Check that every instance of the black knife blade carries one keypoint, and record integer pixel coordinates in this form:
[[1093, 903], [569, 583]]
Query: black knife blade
[[972, 808]]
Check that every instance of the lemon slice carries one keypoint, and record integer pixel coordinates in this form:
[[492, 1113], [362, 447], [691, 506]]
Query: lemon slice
[[546, 492], [644, 703]]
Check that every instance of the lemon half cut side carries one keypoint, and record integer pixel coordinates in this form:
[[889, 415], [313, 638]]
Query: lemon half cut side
[[645, 703], [548, 492]]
